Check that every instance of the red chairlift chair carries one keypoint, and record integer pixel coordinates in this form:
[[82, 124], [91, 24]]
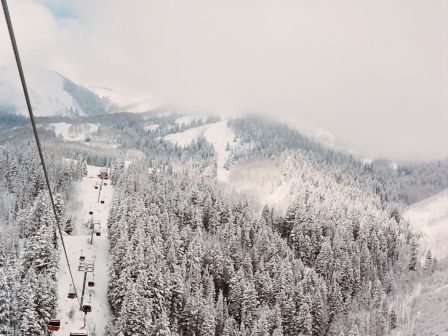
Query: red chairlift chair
[[71, 293], [91, 282], [54, 325], [87, 308]]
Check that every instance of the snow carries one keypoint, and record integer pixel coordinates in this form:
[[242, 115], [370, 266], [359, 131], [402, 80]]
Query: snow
[[185, 138], [46, 89], [126, 103], [261, 181], [218, 134], [430, 217], [68, 309], [187, 120], [151, 128], [325, 138], [73, 132], [426, 303]]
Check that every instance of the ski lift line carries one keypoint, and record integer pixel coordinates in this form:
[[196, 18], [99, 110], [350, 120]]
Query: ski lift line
[[33, 123]]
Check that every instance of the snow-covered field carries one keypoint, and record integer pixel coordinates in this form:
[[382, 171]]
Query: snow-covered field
[[73, 132], [429, 309], [68, 309], [187, 120], [126, 103], [218, 134], [261, 181], [151, 128], [46, 90], [430, 217]]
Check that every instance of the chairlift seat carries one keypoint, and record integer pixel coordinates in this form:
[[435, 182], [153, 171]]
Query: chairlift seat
[[82, 258], [90, 212], [71, 295], [86, 308], [54, 325], [91, 283], [81, 332], [102, 201]]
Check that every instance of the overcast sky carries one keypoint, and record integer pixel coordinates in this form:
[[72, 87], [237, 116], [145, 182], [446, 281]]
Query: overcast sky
[[372, 72]]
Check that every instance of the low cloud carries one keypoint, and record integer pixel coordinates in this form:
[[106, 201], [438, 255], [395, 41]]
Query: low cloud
[[374, 73]]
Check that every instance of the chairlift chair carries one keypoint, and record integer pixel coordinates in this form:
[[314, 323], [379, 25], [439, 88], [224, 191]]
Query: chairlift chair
[[71, 293], [87, 308], [91, 282], [80, 332], [98, 230], [90, 212], [82, 257], [102, 201], [54, 325]]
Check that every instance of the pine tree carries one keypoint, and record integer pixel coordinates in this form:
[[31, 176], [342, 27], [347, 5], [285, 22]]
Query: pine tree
[[162, 325], [4, 304], [59, 206], [28, 324], [305, 320], [318, 313], [68, 227], [353, 331], [134, 317], [428, 262], [208, 321], [324, 260], [414, 255]]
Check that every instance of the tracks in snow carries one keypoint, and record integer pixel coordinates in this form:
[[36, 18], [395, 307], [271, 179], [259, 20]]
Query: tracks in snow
[[86, 197]]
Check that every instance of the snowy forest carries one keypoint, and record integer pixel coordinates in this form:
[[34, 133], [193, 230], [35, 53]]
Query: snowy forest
[[187, 257]]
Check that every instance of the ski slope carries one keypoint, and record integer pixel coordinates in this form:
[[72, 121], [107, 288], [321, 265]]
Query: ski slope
[[73, 132], [68, 309], [430, 217], [218, 134], [428, 307]]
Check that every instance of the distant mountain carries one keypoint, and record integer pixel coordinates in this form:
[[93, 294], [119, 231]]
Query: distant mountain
[[51, 95]]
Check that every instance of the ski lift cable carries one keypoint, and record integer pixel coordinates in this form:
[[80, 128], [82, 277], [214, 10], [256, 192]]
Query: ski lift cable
[[36, 135]]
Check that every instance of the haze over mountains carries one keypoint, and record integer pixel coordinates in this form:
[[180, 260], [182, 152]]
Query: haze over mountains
[[53, 94]]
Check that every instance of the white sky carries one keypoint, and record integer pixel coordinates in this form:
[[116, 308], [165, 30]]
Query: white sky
[[372, 72]]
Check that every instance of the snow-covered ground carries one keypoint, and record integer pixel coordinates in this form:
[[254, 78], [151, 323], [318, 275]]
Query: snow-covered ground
[[427, 304], [126, 103], [187, 120], [68, 309], [261, 181], [218, 134], [151, 128], [430, 217], [73, 132], [46, 90]]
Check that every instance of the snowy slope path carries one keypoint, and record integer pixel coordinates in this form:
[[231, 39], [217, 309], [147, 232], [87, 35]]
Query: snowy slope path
[[430, 217], [68, 309], [429, 303]]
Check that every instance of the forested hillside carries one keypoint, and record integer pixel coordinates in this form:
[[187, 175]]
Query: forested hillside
[[203, 264], [188, 257], [28, 248]]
